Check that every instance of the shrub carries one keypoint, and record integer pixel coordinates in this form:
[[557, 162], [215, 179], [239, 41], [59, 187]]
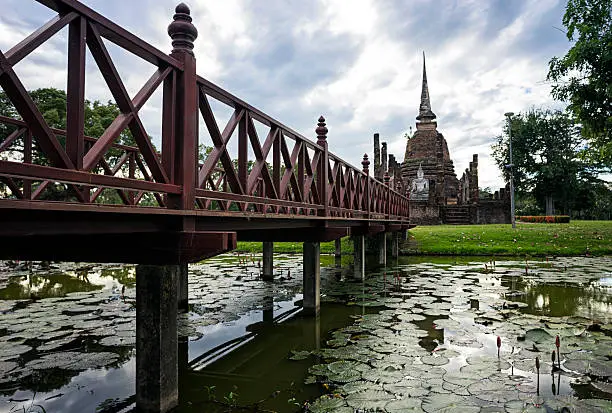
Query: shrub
[[549, 219]]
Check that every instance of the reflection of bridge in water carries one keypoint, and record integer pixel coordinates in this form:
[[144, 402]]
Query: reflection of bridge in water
[[168, 208]]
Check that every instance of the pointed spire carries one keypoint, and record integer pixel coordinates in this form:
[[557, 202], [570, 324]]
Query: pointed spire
[[425, 113]]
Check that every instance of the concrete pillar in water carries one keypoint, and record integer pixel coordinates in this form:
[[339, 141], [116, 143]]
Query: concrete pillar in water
[[338, 245], [312, 277], [183, 288], [268, 304], [268, 260], [156, 338], [359, 260], [382, 248], [394, 244]]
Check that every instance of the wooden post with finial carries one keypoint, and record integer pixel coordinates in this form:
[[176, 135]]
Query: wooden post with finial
[[180, 126], [322, 177], [365, 163]]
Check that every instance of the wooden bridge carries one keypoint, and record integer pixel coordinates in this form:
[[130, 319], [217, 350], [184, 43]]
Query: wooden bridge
[[170, 205]]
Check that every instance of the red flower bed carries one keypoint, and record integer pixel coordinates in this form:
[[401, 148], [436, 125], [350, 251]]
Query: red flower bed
[[549, 219]]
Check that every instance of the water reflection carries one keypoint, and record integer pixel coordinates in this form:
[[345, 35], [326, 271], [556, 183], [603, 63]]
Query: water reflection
[[591, 300], [58, 281]]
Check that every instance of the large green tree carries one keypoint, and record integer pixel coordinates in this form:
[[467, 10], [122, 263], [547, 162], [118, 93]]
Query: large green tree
[[545, 147], [583, 77], [51, 103]]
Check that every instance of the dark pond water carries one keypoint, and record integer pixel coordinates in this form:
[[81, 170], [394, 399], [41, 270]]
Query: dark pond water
[[419, 335]]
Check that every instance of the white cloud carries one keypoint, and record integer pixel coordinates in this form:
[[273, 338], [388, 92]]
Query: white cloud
[[358, 63]]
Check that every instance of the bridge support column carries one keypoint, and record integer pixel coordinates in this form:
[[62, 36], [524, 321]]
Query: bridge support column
[[359, 260], [395, 244], [156, 338], [382, 248], [183, 288], [268, 260], [338, 244], [268, 308], [312, 277]]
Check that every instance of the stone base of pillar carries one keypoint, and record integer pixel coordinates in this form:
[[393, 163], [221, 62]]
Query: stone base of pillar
[[268, 261], [183, 288], [312, 277], [394, 244], [156, 338], [359, 257], [382, 248]]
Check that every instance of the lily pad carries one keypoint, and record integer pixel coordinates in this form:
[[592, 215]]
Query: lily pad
[[327, 404], [404, 405], [369, 399], [299, 355], [434, 360], [449, 403]]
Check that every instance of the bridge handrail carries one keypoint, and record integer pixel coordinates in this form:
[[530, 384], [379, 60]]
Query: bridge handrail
[[115, 33], [305, 179]]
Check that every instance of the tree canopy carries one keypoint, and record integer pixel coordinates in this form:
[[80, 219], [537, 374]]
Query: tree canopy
[[583, 77], [52, 104], [545, 147]]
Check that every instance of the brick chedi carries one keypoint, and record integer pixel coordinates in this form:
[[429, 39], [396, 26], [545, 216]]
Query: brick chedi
[[428, 149], [428, 177]]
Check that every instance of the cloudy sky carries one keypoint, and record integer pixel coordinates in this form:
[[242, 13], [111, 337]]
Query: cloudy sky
[[357, 62]]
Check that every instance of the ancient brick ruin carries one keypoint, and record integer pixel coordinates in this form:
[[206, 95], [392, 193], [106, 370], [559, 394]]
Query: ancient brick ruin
[[428, 176]]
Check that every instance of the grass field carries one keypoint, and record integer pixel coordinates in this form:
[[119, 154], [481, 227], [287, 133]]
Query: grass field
[[294, 247], [575, 238]]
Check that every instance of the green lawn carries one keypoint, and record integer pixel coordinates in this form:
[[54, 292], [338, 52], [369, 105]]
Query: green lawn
[[575, 238], [295, 247]]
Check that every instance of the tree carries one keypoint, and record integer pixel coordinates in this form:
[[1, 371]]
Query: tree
[[51, 103], [583, 77], [545, 148]]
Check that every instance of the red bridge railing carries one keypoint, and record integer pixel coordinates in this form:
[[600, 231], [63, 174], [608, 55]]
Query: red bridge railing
[[287, 175]]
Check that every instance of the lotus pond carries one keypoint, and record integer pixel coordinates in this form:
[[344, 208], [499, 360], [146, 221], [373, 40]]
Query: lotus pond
[[418, 335]]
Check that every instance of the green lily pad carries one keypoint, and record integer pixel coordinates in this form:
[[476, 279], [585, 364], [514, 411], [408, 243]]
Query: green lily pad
[[538, 336], [434, 360], [299, 355], [325, 404], [448, 403], [521, 406], [407, 388], [404, 405], [369, 399], [358, 386], [345, 376]]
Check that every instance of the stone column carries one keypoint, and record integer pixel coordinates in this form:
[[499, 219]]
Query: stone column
[[268, 260], [183, 288], [312, 277], [338, 245], [377, 167], [268, 308], [382, 248], [156, 338], [383, 158], [359, 260]]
